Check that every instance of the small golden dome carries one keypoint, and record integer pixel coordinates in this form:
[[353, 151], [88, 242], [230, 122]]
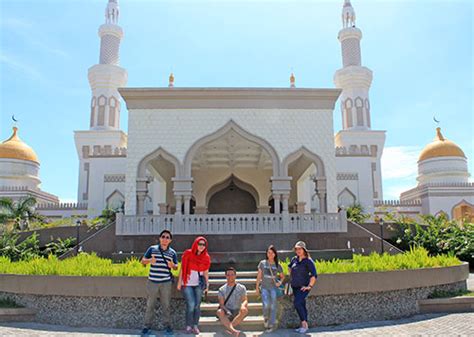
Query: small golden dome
[[440, 147], [15, 148]]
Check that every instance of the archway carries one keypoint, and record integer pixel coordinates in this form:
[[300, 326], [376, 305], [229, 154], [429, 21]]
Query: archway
[[463, 211], [155, 175], [231, 152], [308, 175], [233, 198]]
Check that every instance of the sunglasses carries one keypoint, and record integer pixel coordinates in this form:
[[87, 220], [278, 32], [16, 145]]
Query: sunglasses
[[202, 244], [165, 237]]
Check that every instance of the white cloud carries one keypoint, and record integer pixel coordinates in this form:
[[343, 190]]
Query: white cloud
[[400, 162], [399, 170], [19, 66]]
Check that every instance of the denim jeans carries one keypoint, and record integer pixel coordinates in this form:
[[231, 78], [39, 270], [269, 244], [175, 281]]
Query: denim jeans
[[192, 295], [270, 304], [300, 303]]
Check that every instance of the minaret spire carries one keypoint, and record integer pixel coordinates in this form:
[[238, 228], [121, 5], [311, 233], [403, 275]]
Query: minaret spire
[[107, 76], [112, 12], [353, 78], [348, 15]]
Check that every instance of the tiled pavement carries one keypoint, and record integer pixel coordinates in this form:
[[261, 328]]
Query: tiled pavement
[[421, 325]]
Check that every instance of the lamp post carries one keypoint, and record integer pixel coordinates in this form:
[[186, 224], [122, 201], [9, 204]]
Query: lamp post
[[379, 221], [381, 234], [78, 225]]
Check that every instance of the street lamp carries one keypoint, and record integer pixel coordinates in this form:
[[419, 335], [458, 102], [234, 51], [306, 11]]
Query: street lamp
[[78, 225], [379, 220]]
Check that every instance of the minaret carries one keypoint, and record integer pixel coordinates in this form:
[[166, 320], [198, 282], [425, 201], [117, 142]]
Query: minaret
[[107, 76], [353, 78]]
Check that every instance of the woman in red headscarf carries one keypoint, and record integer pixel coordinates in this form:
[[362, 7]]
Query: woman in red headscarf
[[194, 280]]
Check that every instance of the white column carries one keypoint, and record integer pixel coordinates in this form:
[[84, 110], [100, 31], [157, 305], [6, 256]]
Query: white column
[[178, 199], [276, 203], [187, 204]]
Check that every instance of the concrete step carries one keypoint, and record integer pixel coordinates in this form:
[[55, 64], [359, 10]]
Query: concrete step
[[17, 315], [451, 304], [210, 324], [210, 309], [212, 296], [216, 283], [241, 274]]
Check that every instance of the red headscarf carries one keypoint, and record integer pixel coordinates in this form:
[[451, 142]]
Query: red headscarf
[[192, 261]]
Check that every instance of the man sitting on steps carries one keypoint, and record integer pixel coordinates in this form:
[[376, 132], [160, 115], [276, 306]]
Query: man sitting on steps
[[233, 303]]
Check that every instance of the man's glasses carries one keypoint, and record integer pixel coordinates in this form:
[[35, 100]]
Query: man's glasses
[[165, 237]]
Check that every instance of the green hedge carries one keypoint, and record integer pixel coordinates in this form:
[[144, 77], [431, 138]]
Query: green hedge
[[91, 265]]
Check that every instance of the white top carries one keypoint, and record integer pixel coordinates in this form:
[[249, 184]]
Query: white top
[[193, 279]]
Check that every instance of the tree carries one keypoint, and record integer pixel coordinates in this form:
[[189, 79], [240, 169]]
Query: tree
[[20, 212]]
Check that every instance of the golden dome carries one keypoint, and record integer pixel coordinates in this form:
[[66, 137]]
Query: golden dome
[[15, 148], [440, 147]]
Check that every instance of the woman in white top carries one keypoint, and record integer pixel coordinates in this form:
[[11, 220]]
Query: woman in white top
[[193, 280]]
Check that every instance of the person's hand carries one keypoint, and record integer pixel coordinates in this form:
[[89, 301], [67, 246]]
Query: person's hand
[[178, 286], [206, 290], [257, 290], [171, 265], [153, 259], [308, 288]]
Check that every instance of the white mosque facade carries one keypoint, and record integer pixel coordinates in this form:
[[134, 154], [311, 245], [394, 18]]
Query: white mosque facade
[[237, 159]]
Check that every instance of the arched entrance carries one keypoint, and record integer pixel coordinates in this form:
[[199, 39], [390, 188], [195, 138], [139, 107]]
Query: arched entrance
[[308, 176], [232, 199], [155, 181], [463, 211], [231, 153]]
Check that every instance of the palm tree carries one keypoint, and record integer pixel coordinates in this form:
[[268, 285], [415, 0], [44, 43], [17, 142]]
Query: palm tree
[[19, 212]]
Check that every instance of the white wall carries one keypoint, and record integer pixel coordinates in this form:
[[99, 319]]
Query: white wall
[[177, 130]]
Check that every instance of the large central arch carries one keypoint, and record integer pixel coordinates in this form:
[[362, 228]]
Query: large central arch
[[231, 125]]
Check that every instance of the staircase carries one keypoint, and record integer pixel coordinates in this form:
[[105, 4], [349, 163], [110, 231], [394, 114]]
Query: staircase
[[209, 322]]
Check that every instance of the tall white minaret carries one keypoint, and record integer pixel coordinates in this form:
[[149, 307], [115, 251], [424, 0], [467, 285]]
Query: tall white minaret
[[357, 139], [107, 76], [353, 78]]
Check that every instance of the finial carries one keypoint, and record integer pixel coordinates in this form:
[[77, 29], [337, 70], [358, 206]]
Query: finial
[[171, 81], [292, 80], [112, 12], [439, 135], [348, 15]]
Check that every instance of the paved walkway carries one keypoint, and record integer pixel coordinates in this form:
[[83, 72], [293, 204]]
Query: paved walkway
[[426, 325]]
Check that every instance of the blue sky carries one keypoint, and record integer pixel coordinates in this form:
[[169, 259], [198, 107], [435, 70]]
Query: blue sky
[[420, 53]]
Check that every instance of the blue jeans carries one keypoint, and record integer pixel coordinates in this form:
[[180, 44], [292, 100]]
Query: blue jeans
[[270, 304], [300, 303], [192, 295]]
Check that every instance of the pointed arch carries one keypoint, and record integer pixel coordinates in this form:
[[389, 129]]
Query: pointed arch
[[303, 151], [114, 196], [231, 125], [346, 192], [238, 182], [463, 203], [160, 152]]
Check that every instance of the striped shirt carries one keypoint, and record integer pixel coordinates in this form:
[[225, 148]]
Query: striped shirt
[[159, 271]]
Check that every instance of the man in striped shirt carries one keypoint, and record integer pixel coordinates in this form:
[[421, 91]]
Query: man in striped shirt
[[163, 259]]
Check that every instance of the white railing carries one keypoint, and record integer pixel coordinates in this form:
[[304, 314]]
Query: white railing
[[231, 223]]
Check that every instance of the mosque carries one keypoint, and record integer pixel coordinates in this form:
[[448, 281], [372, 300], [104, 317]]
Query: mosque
[[236, 160]]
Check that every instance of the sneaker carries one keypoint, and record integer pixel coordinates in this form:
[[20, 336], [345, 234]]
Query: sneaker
[[189, 330], [145, 331], [196, 330], [302, 330], [169, 331]]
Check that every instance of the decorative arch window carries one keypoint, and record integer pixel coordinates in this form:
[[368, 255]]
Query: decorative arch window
[[359, 103], [101, 114], [113, 108], [348, 104], [93, 105], [367, 111]]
